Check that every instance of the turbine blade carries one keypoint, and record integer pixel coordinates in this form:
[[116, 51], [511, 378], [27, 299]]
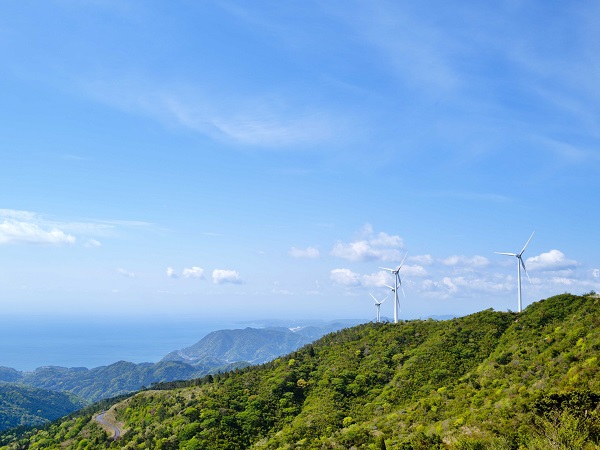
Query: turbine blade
[[400, 284], [525, 269], [509, 254], [403, 260], [392, 288], [383, 300], [385, 268], [527, 243], [372, 296]]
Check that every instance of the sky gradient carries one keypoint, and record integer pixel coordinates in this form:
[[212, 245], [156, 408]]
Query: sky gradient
[[210, 159]]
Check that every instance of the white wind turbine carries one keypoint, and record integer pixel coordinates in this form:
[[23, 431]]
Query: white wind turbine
[[378, 305], [519, 264], [397, 282]]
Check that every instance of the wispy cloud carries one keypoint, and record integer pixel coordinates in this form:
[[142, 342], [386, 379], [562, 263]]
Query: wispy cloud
[[309, 252], [126, 273], [460, 260], [468, 196], [419, 53], [92, 243], [425, 260], [270, 120], [171, 273]]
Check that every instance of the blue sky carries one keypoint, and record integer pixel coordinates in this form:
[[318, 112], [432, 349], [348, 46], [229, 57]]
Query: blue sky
[[202, 159]]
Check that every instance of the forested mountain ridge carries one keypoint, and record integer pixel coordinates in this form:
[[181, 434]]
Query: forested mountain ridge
[[489, 380], [20, 405], [106, 381]]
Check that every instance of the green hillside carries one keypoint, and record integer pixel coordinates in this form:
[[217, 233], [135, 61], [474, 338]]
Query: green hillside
[[489, 380], [20, 405], [219, 351]]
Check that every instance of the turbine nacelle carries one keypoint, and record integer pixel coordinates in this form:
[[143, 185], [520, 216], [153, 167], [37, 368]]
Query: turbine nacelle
[[378, 305], [377, 302]]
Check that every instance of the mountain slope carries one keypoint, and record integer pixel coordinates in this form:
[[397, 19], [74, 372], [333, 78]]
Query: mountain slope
[[21, 405], [488, 380], [106, 381]]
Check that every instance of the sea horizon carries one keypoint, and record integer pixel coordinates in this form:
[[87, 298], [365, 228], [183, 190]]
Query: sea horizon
[[30, 342]]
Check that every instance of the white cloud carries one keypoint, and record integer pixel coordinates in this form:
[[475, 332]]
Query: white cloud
[[13, 231], [412, 271], [484, 284], [345, 277], [376, 279], [171, 273], [126, 273], [551, 261], [469, 286], [459, 260], [194, 272], [563, 281], [447, 281], [370, 247], [220, 276], [309, 252]]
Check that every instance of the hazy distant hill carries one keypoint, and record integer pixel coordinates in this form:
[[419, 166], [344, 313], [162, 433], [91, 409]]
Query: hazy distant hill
[[252, 345], [25, 405]]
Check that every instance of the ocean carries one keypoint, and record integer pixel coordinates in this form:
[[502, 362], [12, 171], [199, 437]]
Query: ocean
[[28, 343]]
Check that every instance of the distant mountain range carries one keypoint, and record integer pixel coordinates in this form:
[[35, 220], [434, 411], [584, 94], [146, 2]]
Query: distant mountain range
[[219, 351]]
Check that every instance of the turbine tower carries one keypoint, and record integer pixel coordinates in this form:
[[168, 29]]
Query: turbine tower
[[397, 282], [519, 264], [378, 305]]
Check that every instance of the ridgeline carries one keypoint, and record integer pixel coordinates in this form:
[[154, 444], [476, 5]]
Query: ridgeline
[[498, 380]]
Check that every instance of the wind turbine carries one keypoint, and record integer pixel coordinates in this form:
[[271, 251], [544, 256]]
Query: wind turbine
[[378, 305], [519, 264], [397, 282]]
